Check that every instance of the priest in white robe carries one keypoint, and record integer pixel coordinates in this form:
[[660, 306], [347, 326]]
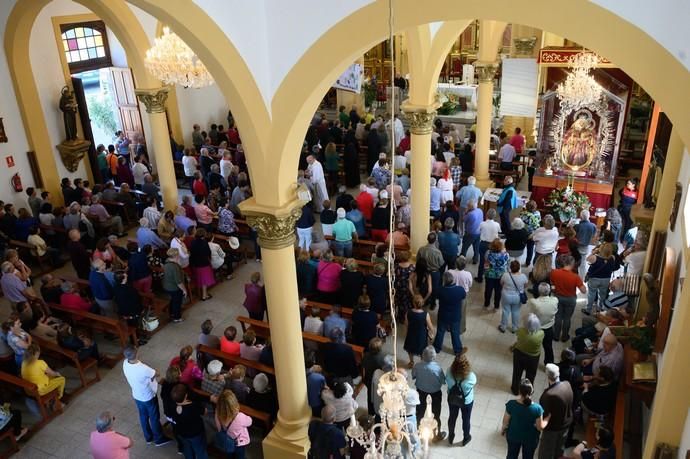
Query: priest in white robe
[[318, 180]]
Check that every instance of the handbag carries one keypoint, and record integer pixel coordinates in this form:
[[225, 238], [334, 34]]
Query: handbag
[[456, 396], [224, 442], [149, 322], [523, 295]]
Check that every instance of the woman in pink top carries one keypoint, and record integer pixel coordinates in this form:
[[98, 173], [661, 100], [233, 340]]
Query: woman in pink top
[[233, 422], [328, 278], [190, 372], [204, 214], [105, 442]]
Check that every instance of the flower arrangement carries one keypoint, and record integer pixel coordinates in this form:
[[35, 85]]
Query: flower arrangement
[[566, 203], [449, 103]]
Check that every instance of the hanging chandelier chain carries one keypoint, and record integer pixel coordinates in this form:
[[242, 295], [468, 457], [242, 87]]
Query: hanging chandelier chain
[[173, 62]]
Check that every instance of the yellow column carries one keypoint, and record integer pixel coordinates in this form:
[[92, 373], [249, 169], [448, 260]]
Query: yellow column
[[672, 398], [276, 228], [485, 96], [421, 118], [154, 101]]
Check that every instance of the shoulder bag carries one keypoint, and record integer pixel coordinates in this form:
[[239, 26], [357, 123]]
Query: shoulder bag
[[456, 396], [523, 295], [224, 441]]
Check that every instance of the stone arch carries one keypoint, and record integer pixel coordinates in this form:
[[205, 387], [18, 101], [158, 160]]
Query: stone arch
[[582, 21]]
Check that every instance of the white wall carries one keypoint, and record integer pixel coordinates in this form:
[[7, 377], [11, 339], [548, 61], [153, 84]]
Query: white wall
[[203, 106]]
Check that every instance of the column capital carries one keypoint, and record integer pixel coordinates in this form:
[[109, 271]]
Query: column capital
[[420, 117], [276, 226], [154, 99], [486, 71]]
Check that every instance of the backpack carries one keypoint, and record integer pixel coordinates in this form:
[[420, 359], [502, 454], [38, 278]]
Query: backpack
[[456, 396]]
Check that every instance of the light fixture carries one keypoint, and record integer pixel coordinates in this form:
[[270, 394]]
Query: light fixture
[[394, 437], [580, 89], [173, 62]]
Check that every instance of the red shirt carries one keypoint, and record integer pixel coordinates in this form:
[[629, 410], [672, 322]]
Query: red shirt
[[189, 211], [404, 144], [190, 373], [199, 187], [229, 347], [565, 282], [73, 301], [365, 203], [518, 142]]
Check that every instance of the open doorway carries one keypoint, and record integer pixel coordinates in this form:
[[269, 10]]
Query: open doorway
[[105, 94]]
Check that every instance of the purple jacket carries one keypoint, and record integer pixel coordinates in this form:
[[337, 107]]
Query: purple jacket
[[255, 300]]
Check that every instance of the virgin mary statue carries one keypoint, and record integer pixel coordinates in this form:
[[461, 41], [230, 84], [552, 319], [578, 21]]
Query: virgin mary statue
[[579, 142]]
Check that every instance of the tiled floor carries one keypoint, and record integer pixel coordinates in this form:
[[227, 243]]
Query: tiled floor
[[67, 436]]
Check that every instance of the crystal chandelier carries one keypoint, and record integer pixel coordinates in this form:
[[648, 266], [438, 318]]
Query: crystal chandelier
[[173, 62], [394, 437], [580, 89]]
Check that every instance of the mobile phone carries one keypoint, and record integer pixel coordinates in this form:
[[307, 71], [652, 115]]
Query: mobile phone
[[588, 342]]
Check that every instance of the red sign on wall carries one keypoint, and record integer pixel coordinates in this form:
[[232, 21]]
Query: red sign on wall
[[10, 161]]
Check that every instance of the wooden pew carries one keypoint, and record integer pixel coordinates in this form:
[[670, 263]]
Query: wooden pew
[[71, 358], [363, 249], [261, 416], [232, 360], [262, 329], [31, 390], [345, 313], [26, 251], [96, 322]]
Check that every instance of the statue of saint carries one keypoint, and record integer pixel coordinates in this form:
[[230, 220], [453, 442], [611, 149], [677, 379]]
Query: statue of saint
[[579, 142], [68, 105]]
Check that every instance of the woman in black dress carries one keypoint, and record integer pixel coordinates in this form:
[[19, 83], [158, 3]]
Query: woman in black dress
[[420, 280], [419, 329], [351, 283], [351, 159]]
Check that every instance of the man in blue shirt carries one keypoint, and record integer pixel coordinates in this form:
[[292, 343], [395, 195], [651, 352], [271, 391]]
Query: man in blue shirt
[[464, 195], [584, 233], [450, 298], [435, 200], [448, 242], [102, 288], [506, 202], [333, 321], [429, 379], [145, 235], [472, 219], [316, 382], [356, 217]]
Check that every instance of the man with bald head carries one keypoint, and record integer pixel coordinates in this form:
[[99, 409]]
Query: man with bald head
[[609, 354], [327, 439]]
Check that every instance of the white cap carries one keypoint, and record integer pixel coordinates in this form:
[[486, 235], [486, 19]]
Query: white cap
[[383, 194], [234, 243], [340, 213], [260, 383]]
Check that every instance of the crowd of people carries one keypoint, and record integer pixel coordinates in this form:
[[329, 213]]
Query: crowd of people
[[175, 248]]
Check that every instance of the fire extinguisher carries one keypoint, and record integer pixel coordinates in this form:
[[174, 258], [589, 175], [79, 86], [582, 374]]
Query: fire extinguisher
[[17, 183]]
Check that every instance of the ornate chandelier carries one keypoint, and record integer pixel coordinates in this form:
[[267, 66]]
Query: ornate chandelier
[[580, 89], [394, 437], [173, 62]]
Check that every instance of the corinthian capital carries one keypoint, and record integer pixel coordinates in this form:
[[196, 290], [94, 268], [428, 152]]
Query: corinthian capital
[[153, 99], [486, 71], [276, 227], [420, 117]]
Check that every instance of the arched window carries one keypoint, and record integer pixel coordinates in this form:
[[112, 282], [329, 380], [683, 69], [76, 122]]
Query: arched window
[[85, 45]]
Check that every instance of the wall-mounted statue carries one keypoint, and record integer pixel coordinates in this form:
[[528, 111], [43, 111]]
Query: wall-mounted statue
[[68, 105]]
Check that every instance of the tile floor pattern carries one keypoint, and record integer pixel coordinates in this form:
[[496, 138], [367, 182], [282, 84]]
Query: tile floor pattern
[[68, 435]]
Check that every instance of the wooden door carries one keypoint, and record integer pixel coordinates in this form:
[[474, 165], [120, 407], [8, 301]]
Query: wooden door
[[86, 126], [126, 101]]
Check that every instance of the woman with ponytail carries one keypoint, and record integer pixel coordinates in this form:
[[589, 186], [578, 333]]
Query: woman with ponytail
[[522, 423], [190, 371]]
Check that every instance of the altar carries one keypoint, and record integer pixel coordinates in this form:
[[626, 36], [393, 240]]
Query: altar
[[580, 124], [458, 103]]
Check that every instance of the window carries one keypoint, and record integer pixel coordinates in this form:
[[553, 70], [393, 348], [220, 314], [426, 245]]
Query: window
[[85, 45]]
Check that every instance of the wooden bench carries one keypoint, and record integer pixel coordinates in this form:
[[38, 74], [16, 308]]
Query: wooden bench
[[232, 360], [44, 402], [345, 313], [363, 249], [262, 329], [71, 358], [27, 250], [99, 323], [264, 418]]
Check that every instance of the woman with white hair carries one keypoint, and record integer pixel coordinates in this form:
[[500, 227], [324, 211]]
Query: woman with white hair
[[526, 351], [105, 443], [516, 238], [545, 238]]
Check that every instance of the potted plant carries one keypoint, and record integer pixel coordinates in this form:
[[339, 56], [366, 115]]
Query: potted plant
[[566, 204]]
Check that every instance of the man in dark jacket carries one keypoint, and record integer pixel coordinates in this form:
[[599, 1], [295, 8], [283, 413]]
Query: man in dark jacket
[[450, 298]]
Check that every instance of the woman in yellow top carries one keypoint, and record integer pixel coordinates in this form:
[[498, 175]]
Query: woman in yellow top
[[38, 372]]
